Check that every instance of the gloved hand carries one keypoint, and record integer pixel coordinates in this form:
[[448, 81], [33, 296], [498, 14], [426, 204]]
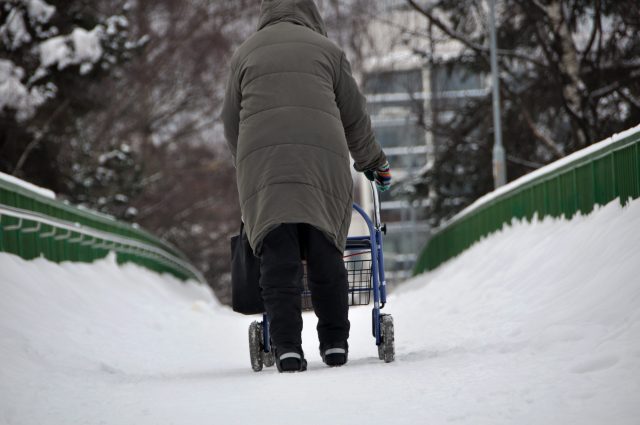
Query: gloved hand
[[381, 175]]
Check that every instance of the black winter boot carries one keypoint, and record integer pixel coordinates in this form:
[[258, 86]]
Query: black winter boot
[[334, 354], [290, 360]]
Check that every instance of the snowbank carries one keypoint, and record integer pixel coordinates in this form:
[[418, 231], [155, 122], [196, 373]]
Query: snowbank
[[537, 324]]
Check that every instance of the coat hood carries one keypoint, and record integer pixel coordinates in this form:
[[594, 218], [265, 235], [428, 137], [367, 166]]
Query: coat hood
[[301, 12]]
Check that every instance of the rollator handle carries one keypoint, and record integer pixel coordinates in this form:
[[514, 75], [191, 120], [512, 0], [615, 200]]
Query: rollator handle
[[376, 208]]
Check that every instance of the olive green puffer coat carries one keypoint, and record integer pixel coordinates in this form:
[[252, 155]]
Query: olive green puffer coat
[[292, 114]]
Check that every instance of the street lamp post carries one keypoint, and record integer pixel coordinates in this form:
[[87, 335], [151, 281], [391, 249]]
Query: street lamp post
[[499, 164]]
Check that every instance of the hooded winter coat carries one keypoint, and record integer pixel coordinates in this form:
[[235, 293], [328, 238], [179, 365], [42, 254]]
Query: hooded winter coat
[[292, 114]]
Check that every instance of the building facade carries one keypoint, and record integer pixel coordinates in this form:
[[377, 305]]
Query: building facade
[[408, 94]]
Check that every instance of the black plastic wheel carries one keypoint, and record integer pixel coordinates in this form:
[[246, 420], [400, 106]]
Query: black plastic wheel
[[386, 349], [255, 345]]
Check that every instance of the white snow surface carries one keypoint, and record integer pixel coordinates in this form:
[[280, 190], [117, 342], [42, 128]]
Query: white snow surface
[[537, 324]]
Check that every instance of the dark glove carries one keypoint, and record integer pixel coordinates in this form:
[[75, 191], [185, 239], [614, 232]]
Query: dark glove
[[381, 175]]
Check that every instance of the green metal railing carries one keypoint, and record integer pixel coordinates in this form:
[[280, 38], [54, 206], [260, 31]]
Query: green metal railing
[[595, 176], [33, 225]]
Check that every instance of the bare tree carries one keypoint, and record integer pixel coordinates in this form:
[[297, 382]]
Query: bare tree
[[569, 77]]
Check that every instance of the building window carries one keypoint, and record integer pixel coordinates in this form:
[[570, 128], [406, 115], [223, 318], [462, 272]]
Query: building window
[[393, 82], [454, 77]]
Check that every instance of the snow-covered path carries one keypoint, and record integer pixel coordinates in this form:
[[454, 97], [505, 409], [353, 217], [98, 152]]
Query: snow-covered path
[[538, 324]]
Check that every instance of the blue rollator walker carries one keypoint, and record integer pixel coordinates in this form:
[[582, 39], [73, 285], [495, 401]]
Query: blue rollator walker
[[364, 262]]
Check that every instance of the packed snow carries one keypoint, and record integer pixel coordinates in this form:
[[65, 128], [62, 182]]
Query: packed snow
[[536, 324]]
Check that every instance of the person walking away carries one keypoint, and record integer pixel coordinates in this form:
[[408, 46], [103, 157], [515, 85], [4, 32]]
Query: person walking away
[[292, 113]]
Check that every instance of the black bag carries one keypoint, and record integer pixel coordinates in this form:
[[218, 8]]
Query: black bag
[[245, 276]]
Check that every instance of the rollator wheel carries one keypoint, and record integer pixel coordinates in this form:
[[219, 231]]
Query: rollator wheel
[[386, 349], [269, 359], [255, 345]]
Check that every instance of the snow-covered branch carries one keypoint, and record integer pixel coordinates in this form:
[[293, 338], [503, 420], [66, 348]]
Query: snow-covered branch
[[33, 49]]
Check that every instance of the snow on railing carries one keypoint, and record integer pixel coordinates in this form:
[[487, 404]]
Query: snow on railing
[[34, 224], [547, 170], [28, 186], [593, 176]]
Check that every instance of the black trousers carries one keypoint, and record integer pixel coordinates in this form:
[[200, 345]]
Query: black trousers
[[281, 274]]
